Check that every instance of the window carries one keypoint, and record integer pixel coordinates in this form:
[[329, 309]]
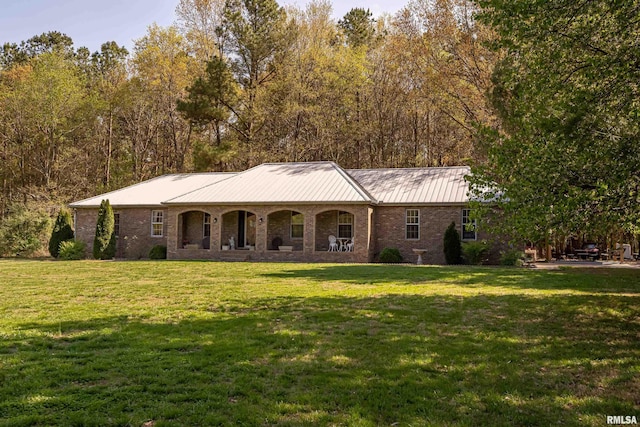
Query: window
[[156, 223], [116, 224], [206, 225], [297, 225], [468, 225], [345, 225], [412, 224]]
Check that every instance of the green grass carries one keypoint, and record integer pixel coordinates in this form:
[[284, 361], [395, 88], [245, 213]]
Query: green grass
[[203, 343]]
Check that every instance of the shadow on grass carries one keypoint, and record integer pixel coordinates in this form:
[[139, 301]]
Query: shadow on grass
[[588, 280], [410, 360]]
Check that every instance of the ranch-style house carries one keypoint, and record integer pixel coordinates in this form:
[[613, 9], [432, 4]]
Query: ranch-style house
[[312, 212]]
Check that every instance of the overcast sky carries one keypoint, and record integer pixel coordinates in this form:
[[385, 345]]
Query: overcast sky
[[92, 22]]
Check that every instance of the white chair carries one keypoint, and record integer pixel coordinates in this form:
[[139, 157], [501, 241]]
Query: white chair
[[333, 244], [351, 244]]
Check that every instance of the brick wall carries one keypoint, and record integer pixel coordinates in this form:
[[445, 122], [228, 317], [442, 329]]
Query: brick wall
[[374, 229], [390, 228], [279, 225], [134, 241], [275, 220]]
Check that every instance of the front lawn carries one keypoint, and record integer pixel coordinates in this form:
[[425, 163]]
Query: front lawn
[[204, 343]]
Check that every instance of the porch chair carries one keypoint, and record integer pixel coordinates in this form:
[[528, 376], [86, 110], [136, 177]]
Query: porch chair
[[333, 243], [351, 244]]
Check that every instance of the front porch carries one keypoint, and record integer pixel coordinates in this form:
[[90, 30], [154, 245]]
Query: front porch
[[261, 233]]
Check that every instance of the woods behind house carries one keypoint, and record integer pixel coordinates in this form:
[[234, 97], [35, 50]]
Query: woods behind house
[[233, 85]]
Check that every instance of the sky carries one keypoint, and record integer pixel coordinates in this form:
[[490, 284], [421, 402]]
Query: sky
[[93, 22]]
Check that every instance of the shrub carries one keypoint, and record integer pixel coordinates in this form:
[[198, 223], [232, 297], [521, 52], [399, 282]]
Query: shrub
[[452, 247], [104, 244], [23, 231], [62, 231], [512, 257], [390, 256], [158, 252], [71, 250], [475, 253]]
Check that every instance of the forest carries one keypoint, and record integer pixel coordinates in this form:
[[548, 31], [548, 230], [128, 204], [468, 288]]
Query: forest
[[227, 88], [541, 99]]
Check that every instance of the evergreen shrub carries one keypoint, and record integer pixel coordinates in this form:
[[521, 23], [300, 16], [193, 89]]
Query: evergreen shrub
[[62, 231], [158, 252], [71, 250], [452, 246], [390, 256], [475, 253], [104, 244]]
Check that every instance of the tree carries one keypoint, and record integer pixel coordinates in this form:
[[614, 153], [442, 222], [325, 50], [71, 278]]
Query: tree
[[358, 27], [566, 158], [452, 245], [258, 37], [212, 99], [163, 69], [108, 76], [62, 231], [200, 21], [24, 230], [104, 243]]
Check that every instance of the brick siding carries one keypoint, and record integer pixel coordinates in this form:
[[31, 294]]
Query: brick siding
[[134, 240], [374, 229]]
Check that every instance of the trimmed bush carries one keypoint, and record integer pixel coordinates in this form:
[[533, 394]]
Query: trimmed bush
[[158, 252], [23, 231], [390, 256], [71, 250], [475, 253], [512, 257], [452, 247], [104, 244], [62, 231]]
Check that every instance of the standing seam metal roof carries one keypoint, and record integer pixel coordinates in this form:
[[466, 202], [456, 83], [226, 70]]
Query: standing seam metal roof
[[313, 182], [154, 191], [446, 185]]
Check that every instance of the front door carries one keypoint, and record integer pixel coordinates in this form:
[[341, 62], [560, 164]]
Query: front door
[[246, 229]]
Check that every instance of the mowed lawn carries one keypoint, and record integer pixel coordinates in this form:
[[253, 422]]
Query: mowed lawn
[[204, 343]]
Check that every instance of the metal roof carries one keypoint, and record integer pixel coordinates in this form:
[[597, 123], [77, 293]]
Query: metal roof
[[312, 182], [415, 185], [154, 191], [284, 183]]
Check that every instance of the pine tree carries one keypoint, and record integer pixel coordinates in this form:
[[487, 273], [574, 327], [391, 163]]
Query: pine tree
[[452, 245], [62, 231], [104, 244]]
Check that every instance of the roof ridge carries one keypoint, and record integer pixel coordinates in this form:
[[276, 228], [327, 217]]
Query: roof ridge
[[411, 168], [354, 183], [231, 175]]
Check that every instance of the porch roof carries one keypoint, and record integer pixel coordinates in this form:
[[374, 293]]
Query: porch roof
[[276, 183], [415, 186], [153, 191]]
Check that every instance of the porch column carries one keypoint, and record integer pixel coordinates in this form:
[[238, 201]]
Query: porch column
[[216, 230], [309, 241], [172, 233], [261, 231]]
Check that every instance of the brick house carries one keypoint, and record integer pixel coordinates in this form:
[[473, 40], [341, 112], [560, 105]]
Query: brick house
[[313, 211]]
